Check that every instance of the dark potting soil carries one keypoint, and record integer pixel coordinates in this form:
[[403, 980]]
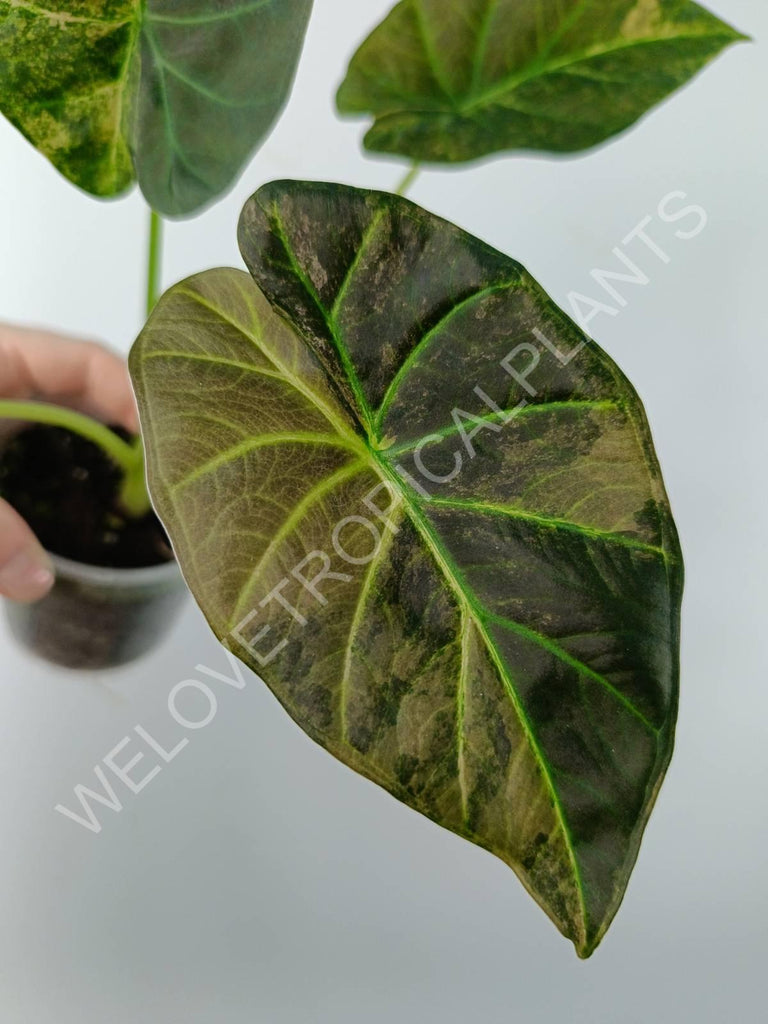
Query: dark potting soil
[[66, 488]]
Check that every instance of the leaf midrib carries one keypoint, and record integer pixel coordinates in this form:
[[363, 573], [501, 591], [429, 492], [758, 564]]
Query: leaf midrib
[[539, 68], [122, 83], [467, 607], [375, 458]]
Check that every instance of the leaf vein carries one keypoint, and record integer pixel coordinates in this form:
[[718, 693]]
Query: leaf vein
[[512, 512], [284, 372], [254, 444], [569, 659], [310, 499], [357, 619], [424, 341], [207, 19]]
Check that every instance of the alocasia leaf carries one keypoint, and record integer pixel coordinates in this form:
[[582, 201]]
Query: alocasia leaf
[[452, 80], [427, 510], [175, 93]]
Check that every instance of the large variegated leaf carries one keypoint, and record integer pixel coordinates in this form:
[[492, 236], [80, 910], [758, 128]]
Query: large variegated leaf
[[486, 625], [176, 93], [456, 79]]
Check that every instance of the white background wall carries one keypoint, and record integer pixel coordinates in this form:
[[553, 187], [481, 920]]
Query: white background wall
[[257, 880]]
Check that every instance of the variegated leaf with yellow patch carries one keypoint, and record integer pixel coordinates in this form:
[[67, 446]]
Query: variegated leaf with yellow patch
[[174, 93]]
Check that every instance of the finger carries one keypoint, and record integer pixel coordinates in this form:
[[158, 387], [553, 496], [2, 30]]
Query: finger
[[79, 374], [26, 573]]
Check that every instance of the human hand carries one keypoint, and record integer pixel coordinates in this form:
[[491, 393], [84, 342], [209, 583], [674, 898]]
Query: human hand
[[79, 375]]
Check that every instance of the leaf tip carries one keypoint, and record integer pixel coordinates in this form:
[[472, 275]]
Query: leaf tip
[[585, 949]]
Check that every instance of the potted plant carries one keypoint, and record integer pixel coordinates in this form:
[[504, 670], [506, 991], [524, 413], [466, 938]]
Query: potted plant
[[409, 491]]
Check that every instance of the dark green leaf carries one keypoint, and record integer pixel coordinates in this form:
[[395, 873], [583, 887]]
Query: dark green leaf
[[503, 657], [452, 80], [175, 93]]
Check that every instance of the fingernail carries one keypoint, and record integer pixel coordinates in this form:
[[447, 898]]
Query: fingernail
[[27, 576]]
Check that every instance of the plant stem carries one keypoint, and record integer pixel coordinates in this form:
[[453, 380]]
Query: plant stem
[[154, 260], [408, 180], [128, 457]]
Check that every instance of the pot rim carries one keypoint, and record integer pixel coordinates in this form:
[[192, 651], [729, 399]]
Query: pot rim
[[102, 575]]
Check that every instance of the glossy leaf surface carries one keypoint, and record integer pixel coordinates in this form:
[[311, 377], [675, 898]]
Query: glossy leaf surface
[[453, 80], [499, 650], [175, 93]]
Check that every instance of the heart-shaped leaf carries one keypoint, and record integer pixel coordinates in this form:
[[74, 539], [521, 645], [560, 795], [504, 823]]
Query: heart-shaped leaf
[[455, 81], [175, 93], [427, 510]]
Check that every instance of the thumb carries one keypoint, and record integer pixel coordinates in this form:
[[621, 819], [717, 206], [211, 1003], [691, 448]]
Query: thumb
[[26, 573]]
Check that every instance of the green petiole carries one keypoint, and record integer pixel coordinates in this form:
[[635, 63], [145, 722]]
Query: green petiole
[[128, 456], [154, 259], [411, 176]]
